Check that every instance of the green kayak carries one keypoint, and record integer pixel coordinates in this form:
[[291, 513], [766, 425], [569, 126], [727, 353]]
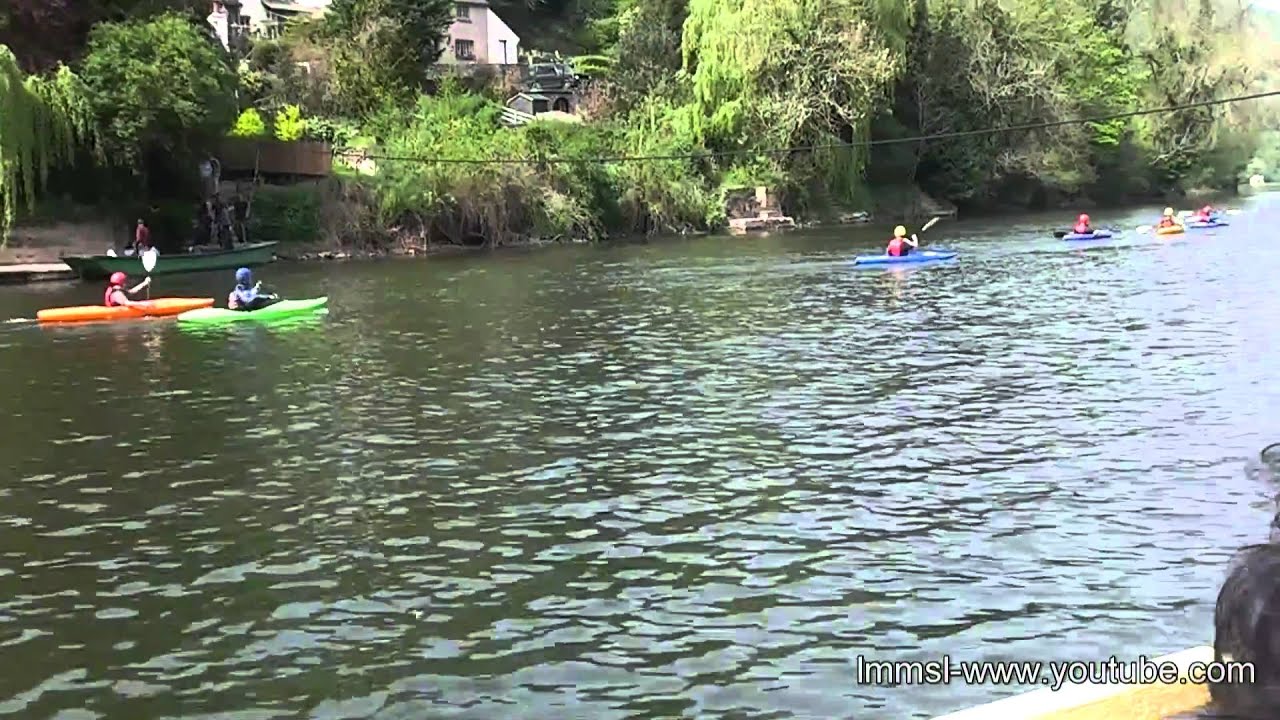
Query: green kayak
[[284, 308]]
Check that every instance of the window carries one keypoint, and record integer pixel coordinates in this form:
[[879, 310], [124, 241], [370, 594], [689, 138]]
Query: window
[[462, 12], [464, 49]]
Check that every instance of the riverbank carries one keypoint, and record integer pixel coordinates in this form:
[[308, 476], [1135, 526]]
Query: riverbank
[[292, 213]]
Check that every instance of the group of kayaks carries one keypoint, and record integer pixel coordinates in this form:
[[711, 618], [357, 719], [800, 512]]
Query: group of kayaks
[[1202, 220], [187, 310], [1205, 219]]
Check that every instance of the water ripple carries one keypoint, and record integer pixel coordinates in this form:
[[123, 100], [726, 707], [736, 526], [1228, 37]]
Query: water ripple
[[673, 478]]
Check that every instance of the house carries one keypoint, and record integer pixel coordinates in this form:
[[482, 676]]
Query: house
[[238, 18], [479, 37]]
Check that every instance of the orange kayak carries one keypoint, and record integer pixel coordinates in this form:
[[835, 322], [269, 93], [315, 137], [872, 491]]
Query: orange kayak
[[160, 307]]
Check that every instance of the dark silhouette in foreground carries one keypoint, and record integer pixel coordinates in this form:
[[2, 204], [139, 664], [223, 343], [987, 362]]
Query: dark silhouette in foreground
[[1246, 623]]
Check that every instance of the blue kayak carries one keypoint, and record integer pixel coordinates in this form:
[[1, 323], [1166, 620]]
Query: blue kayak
[[1201, 225], [920, 256], [1095, 235]]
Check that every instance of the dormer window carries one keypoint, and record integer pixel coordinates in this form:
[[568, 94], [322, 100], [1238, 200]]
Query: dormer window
[[462, 12]]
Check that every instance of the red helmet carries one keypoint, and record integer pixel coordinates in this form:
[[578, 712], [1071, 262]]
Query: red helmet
[[118, 278], [1083, 218]]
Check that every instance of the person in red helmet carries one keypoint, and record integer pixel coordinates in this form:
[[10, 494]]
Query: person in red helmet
[[1082, 226], [116, 294], [1206, 214]]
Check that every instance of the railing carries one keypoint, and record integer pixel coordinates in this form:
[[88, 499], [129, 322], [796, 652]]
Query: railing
[[513, 118]]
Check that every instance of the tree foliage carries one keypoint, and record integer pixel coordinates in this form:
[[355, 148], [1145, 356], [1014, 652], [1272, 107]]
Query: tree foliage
[[381, 49], [44, 33], [158, 85], [42, 122]]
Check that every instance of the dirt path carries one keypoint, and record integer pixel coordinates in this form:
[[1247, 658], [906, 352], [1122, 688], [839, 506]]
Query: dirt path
[[47, 243]]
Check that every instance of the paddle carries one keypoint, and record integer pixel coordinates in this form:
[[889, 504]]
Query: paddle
[[929, 224], [150, 257]]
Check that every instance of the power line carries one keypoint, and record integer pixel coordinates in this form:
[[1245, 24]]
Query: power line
[[806, 148]]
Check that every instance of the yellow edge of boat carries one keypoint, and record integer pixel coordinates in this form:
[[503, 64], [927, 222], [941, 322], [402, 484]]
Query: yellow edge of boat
[[1155, 701], [1172, 230]]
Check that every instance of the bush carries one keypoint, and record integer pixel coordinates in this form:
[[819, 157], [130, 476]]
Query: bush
[[286, 215], [290, 126], [249, 124]]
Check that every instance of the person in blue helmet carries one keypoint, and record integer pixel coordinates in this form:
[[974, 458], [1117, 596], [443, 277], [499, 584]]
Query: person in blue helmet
[[247, 295]]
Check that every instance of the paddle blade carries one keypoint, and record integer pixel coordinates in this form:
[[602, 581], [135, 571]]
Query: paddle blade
[[1143, 229], [931, 223], [149, 259], [1060, 233]]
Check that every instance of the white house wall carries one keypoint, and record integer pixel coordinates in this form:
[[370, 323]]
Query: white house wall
[[499, 32]]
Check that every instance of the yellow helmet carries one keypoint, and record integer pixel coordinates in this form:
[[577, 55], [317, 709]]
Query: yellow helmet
[[900, 231], [1168, 212]]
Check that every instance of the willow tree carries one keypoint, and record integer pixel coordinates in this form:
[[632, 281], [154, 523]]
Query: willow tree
[[42, 120], [770, 74]]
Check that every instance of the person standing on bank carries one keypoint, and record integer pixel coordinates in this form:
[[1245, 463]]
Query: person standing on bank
[[141, 237]]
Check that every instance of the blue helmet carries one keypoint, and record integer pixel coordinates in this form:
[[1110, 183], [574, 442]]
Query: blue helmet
[[243, 276]]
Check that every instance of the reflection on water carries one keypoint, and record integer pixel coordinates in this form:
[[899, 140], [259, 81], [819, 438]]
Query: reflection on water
[[691, 477]]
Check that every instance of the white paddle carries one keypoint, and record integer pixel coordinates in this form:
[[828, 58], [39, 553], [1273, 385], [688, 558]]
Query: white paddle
[[150, 257], [929, 224]]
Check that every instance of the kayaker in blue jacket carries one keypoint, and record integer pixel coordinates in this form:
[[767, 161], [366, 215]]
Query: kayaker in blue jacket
[[248, 296]]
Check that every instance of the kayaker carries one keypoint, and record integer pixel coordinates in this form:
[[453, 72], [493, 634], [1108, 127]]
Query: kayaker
[[1082, 226], [117, 295], [246, 296], [1205, 215], [901, 244], [1169, 219]]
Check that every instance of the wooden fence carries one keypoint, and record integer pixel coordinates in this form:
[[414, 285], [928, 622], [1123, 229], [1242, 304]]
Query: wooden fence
[[274, 157]]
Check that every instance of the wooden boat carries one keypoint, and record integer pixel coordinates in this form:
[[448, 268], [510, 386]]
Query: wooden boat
[[159, 307], [1155, 701], [98, 267]]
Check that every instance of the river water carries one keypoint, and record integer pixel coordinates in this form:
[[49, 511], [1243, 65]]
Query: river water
[[694, 477]]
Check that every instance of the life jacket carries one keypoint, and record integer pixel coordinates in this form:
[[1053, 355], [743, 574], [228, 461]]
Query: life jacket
[[243, 295], [896, 247], [108, 298], [1166, 222], [1082, 229]]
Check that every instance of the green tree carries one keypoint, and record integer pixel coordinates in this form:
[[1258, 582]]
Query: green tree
[[382, 49], [43, 33], [787, 73], [162, 85]]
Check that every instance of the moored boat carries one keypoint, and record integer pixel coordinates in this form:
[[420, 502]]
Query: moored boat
[[97, 267]]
